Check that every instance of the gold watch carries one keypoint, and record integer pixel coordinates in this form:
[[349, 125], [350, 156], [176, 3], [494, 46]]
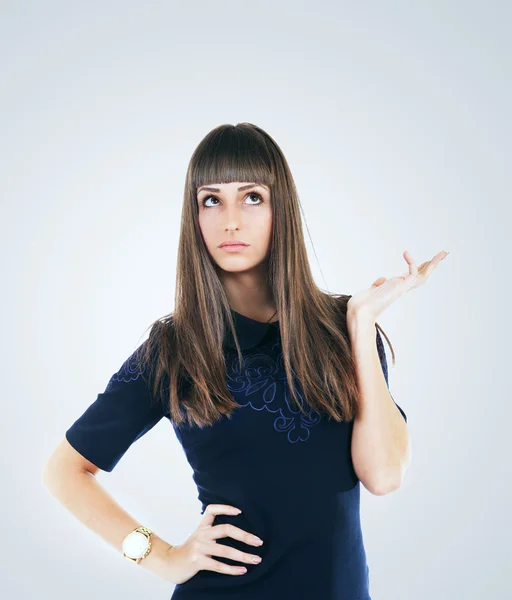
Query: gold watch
[[137, 545]]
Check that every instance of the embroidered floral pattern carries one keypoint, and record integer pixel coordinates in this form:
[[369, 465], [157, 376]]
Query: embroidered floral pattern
[[258, 384], [129, 371]]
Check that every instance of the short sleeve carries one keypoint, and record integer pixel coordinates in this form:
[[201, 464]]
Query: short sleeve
[[384, 365], [119, 416]]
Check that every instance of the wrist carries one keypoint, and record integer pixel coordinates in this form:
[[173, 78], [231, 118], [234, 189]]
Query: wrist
[[359, 321], [157, 561]]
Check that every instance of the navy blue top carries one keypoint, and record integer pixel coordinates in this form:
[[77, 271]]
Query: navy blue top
[[290, 474]]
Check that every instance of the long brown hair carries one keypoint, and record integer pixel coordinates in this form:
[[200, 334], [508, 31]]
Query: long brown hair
[[187, 344]]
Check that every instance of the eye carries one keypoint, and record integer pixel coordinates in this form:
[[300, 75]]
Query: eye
[[206, 198], [257, 196], [203, 202]]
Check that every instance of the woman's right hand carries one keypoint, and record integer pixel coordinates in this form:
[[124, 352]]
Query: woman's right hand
[[195, 554]]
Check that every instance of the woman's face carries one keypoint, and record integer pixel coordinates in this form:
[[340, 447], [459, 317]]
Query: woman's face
[[236, 211]]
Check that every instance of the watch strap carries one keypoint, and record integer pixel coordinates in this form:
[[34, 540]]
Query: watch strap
[[147, 532]]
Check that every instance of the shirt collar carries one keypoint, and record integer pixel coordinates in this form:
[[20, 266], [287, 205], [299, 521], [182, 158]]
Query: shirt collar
[[249, 332]]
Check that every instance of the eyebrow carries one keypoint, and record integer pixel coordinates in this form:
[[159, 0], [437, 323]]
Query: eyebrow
[[240, 189]]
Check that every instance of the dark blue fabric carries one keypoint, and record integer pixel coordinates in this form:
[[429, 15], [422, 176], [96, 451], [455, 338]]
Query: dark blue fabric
[[290, 474], [120, 415], [384, 364]]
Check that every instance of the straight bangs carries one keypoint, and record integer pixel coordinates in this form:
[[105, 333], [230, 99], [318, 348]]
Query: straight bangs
[[229, 154]]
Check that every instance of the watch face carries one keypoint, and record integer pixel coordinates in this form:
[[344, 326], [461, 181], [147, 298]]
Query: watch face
[[135, 544]]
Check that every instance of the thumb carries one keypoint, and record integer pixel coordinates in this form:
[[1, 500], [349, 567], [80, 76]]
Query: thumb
[[379, 281]]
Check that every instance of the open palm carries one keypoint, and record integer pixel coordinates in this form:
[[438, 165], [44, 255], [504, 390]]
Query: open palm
[[383, 292]]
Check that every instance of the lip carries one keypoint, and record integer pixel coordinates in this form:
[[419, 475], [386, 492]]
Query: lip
[[233, 243], [234, 247]]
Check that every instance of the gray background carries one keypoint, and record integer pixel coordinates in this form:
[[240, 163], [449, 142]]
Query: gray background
[[395, 120]]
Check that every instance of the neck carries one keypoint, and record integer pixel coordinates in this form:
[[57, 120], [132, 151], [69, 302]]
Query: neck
[[248, 294]]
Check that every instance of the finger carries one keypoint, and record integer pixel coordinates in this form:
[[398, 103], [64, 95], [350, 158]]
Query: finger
[[215, 549], [413, 270], [439, 257], [424, 265], [401, 278], [379, 281], [210, 564], [229, 530], [428, 266], [212, 510]]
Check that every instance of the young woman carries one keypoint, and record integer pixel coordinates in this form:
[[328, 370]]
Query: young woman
[[276, 389]]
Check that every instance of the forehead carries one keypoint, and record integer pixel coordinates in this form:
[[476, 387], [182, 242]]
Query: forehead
[[239, 186]]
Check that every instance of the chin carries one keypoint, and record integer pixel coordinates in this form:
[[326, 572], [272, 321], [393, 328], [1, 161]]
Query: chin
[[236, 269], [234, 266]]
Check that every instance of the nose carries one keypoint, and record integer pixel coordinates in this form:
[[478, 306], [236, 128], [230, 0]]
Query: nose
[[233, 218]]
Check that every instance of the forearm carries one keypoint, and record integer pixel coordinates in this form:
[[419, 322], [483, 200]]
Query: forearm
[[380, 438], [82, 494]]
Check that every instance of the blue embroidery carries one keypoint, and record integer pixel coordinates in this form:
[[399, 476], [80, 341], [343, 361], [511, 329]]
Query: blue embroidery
[[260, 380], [129, 371]]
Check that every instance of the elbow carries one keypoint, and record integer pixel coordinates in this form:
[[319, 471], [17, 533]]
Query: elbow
[[47, 473], [385, 484], [59, 472], [51, 475], [63, 465], [391, 479], [49, 479], [382, 490]]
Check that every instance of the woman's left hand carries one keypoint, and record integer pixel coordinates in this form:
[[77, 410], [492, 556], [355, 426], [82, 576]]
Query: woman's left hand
[[373, 301]]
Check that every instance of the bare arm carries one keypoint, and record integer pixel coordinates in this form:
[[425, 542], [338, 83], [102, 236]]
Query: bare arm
[[71, 479], [380, 441]]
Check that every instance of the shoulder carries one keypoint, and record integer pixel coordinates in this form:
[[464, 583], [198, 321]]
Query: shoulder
[[131, 369]]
